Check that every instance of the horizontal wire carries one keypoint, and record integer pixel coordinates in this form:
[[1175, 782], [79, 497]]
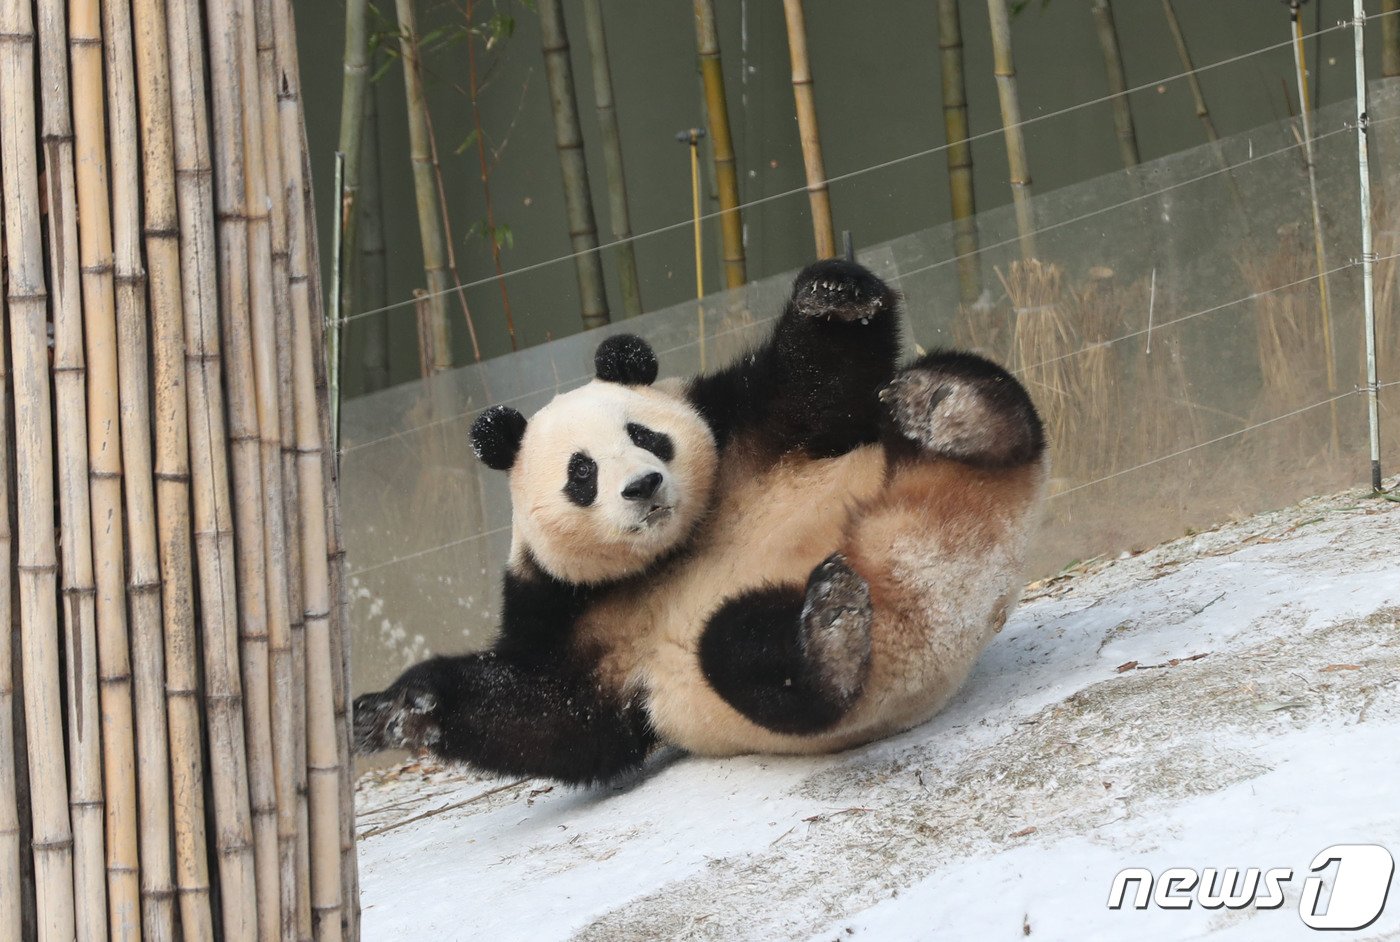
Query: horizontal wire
[[1199, 445], [1254, 295], [1132, 199], [898, 277], [838, 178], [1078, 487]]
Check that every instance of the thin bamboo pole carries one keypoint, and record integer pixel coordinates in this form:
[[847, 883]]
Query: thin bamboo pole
[[1004, 66], [268, 248], [473, 94], [731, 224], [354, 92], [37, 557], [424, 189], [157, 910], [75, 482], [1319, 241], [213, 523], [372, 284], [449, 241], [1390, 38], [817, 192], [962, 198], [105, 465], [1192, 80], [612, 158], [568, 140], [244, 295], [1117, 83], [323, 754], [333, 887], [172, 477], [11, 907], [299, 292]]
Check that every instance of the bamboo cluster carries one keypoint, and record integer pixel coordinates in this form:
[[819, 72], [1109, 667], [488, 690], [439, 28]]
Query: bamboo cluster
[[173, 735]]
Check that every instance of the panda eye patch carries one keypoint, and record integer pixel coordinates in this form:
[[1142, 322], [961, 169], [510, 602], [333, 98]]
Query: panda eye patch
[[658, 443], [582, 484]]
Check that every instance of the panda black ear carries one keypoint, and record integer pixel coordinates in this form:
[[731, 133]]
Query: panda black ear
[[626, 359], [496, 436]]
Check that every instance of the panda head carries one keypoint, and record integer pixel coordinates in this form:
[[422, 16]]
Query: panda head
[[607, 478]]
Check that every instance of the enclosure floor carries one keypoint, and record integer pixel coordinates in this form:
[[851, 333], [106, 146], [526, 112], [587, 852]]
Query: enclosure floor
[[1086, 741]]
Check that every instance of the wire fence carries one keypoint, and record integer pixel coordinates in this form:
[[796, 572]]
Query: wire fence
[[686, 224], [1173, 332]]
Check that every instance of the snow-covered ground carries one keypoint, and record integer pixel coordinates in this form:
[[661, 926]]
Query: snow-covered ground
[[1226, 700]]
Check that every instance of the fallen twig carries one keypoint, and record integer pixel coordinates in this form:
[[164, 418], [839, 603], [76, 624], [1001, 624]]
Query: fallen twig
[[375, 832]]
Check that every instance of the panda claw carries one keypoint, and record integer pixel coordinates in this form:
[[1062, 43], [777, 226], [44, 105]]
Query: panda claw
[[840, 292]]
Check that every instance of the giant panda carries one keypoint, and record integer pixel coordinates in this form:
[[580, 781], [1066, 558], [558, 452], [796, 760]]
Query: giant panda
[[799, 553]]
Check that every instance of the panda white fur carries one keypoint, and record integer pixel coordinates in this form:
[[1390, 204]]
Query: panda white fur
[[800, 553]]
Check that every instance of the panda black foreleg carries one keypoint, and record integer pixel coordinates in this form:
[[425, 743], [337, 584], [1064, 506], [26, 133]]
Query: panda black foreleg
[[789, 658], [814, 384], [501, 717]]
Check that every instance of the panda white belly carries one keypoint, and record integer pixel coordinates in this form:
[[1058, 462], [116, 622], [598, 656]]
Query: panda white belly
[[941, 546]]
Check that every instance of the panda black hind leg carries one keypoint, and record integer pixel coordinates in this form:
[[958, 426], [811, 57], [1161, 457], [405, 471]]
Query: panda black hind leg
[[950, 404], [506, 717], [792, 659]]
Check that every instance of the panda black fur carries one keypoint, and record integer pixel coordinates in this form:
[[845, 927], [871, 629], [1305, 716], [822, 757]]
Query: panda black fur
[[800, 553]]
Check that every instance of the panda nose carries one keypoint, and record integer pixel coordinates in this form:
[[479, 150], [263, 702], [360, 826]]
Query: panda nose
[[642, 487]]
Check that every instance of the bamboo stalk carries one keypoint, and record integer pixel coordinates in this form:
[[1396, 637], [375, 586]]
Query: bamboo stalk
[[330, 504], [372, 284], [568, 140], [354, 92], [449, 241], [105, 467], [245, 297], [802, 93], [334, 914], [474, 89], [429, 221], [1192, 80], [299, 307], [323, 755], [1004, 67], [612, 158], [172, 477], [731, 224], [272, 358], [11, 839], [144, 576], [959, 152], [1319, 243], [36, 558], [1117, 83], [213, 526], [1390, 38], [80, 587]]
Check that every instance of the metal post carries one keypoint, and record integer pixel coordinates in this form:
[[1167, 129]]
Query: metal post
[[1368, 256]]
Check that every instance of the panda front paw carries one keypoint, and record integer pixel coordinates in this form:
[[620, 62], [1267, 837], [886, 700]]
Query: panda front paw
[[837, 290], [398, 718], [836, 620]]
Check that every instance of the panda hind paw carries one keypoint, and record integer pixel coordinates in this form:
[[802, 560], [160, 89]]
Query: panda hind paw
[[395, 719], [836, 620], [836, 290]]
